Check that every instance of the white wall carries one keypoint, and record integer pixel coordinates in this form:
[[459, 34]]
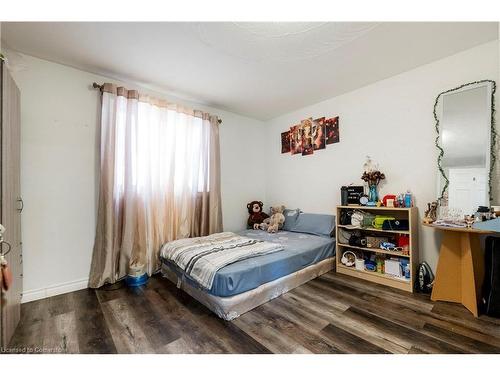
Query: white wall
[[59, 172], [390, 120]]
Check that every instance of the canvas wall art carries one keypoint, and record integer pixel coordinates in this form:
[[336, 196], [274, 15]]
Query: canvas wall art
[[332, 130], [319, 134], [307, 139], [285, 142], [310, 136], [296, 140]]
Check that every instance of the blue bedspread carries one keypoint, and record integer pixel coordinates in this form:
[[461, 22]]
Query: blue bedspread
[[301, 250]]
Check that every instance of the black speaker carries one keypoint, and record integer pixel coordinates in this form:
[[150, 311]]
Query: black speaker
[[490, 303]]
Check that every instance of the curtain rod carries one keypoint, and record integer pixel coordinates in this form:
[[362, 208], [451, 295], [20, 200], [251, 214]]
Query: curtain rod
[[98, 86]]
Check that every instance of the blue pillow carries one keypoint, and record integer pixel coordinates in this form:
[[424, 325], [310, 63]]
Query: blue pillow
[[318, 224], [290, 218]]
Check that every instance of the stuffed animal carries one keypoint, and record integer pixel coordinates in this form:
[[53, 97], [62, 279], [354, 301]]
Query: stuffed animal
[[256, 215], [275, 222], [430, 215]]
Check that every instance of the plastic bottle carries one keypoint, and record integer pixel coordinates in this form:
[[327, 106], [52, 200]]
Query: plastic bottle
[[408, 199], [380, 267], [407, 271]]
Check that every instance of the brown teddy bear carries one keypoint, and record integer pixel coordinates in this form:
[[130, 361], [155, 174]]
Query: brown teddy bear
[[275, 222], [256, 215]]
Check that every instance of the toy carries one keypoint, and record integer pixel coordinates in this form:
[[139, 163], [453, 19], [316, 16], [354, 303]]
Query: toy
[[389, 200], [275, 222], [256, 215], [400, 200], [430, 215]]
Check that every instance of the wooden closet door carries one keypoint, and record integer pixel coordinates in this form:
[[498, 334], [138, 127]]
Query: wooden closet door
[[10, 201]]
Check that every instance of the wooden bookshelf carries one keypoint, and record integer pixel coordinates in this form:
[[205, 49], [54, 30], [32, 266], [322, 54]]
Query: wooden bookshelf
[[409, 214]]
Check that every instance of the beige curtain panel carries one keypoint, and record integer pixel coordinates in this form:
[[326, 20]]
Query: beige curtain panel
[[159, 181]]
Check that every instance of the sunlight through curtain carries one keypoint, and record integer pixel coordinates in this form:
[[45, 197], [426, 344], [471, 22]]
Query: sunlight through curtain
[[160, 181]]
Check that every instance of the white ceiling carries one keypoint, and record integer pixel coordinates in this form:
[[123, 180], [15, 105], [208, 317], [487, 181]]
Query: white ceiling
[[260, 70]]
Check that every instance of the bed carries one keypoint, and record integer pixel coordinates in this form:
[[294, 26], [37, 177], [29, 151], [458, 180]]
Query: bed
[[306, 251]]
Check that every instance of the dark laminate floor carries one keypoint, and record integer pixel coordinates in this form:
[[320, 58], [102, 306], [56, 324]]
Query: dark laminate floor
[[331, 314]]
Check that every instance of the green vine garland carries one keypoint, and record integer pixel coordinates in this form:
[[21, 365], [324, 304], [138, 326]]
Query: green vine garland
[[492, 140]]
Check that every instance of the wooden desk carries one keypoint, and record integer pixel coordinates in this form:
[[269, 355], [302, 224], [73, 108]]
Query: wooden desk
[[460, 269]]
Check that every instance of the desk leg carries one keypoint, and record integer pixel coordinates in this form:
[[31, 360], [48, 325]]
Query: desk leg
[[460, 270], [472, 272]]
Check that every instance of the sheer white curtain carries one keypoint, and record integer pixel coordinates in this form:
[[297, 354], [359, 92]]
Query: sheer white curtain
[[160, 180]]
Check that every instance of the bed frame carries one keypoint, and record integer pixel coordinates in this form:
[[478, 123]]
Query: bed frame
[[229, 308]]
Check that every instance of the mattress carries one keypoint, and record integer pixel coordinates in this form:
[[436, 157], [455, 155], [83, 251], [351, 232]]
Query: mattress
[[300, 250], [229, 308]]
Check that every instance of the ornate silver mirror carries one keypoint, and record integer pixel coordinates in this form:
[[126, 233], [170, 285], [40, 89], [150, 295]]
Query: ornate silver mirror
[[465, 139]]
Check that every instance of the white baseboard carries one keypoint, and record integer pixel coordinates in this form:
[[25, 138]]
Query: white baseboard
[[54, 290]]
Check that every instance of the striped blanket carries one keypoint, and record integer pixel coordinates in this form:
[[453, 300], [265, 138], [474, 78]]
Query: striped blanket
[[201, 257]]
